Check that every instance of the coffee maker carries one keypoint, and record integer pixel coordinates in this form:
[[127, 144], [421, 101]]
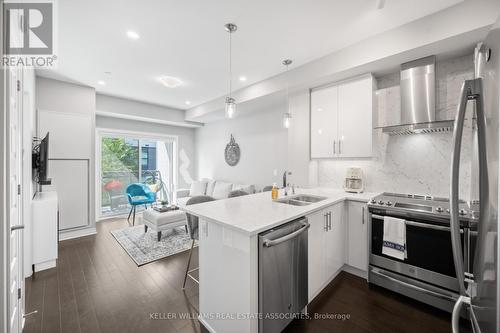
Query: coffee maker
[[353, 180]]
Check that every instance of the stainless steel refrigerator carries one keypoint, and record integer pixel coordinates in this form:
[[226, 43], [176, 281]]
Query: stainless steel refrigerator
[[479, 288]]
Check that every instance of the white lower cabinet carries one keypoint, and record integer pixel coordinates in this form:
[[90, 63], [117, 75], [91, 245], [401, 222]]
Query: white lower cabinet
[[325, 247], [357, 248]]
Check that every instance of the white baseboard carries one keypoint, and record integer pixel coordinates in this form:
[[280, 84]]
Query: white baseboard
[[355, 271], [45, 265], [70, 234]]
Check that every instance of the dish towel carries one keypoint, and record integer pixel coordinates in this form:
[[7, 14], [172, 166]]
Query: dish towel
[[394, 241]]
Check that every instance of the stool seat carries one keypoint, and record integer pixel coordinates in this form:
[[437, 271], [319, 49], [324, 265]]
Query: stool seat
[[159, 221]]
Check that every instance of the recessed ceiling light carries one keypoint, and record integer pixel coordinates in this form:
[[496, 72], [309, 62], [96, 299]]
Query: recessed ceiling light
[[170, 81], [132, 34], [188, 102], [243, 78], [101, 83]]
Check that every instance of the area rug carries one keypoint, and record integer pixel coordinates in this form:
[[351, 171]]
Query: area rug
[[144, 248]]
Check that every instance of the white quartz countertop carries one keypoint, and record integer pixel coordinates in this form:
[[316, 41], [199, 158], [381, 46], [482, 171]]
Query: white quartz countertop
[[252, 214]]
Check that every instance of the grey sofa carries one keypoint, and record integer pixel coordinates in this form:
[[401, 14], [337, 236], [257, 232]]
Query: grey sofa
[[215, 188]]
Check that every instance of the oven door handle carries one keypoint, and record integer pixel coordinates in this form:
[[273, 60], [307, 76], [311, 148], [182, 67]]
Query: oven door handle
[[416, 288], [428, 226], [421, 225]]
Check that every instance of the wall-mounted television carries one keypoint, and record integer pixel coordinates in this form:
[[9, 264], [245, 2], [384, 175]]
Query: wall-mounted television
[[40, 159]]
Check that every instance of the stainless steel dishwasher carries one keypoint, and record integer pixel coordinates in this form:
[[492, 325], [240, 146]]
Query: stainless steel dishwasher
[[282, 274]]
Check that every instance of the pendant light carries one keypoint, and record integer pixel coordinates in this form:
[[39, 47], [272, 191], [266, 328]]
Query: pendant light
[[230, 105], [287, 116]]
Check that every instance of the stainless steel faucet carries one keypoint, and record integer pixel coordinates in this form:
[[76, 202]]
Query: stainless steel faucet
[[284, 177]]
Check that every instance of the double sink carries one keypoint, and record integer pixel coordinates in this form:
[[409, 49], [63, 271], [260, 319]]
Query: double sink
[[300, 200]]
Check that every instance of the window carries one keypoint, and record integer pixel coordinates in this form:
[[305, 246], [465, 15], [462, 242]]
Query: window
[[127, 159]]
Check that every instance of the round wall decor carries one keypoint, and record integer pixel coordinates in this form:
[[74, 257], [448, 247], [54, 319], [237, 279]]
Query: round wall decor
[[232, 152]]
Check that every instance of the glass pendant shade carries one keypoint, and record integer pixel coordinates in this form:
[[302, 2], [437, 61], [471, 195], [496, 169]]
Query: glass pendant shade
[[287, 117], [230, 107]]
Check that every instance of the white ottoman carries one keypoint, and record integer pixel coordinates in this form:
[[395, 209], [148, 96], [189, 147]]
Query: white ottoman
[[163, 221]]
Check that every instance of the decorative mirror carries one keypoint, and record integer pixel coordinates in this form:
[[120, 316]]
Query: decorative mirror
[[232, 152]]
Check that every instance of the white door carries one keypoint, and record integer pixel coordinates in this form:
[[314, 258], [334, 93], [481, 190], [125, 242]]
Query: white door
[[355, 118], [358, 235], [324, 123], [15, 279], [315, 247], [334, 247]]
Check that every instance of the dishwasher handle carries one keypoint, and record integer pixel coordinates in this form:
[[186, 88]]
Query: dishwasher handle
[[269, 242]]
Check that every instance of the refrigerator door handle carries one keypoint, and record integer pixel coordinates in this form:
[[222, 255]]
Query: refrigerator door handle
[[471, 90], [454, 187]]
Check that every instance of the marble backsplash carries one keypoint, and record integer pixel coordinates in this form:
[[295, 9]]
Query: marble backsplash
[[418, 163]]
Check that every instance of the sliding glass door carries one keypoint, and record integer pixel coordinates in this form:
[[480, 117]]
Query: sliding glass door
[[125, 159]]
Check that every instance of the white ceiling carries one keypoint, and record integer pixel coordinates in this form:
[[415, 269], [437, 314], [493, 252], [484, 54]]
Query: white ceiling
[[186, 39]]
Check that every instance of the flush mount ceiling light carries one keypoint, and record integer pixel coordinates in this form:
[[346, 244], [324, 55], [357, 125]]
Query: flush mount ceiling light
[[243, 78], [230, 104], [287, 116], [170, 81], [133, 35], [101, 83], [188, 102]]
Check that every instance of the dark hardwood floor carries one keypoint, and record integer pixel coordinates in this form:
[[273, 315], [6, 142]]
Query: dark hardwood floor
[[349, 304], [96, 287]]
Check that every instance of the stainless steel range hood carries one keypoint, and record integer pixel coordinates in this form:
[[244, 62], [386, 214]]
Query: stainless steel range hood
[[418, 100]]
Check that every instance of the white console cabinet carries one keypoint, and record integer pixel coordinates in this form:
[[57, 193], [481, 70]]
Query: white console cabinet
[[45, 230]]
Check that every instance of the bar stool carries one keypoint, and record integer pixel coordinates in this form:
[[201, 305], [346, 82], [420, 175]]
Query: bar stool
[[192, 224]]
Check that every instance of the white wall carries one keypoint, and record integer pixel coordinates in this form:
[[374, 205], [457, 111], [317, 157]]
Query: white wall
[[58, 96], [117, 105], [129, 107], [263, 145]]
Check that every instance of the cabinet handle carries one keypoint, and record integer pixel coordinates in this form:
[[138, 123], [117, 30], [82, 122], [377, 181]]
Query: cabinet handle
[[334, 146], [330, 220], [340, 146], [363, 214], [326, 222]]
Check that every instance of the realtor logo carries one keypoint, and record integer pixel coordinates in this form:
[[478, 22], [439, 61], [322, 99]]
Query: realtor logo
[[29, 33]]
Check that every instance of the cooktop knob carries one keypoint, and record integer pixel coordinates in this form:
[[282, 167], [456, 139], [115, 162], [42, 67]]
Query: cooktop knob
[[380, 202], [439, 209], [448, 210], [373, 201], [462, 212], [388, 203]]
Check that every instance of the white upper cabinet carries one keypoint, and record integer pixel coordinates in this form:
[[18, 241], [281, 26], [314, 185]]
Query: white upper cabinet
[[324, 109], [341, 119]]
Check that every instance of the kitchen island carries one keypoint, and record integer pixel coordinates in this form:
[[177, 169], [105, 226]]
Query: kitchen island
[[228, 251]]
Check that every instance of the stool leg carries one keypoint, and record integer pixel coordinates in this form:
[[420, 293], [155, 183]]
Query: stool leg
[[159, 236], [145, 228], [133, 219], [189, 263]]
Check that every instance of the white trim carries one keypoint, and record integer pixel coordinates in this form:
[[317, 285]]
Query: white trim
[[100, 132], [355, 271], [45, 265], [65, 235], [189, 124]]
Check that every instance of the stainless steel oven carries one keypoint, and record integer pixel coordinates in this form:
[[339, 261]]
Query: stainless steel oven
[[428, 272]]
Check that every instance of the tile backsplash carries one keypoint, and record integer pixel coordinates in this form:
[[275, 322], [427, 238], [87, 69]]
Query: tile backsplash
[[417, 163]]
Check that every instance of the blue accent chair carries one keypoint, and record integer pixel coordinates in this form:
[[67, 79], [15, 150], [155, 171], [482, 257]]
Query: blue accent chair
[[139, 194]]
